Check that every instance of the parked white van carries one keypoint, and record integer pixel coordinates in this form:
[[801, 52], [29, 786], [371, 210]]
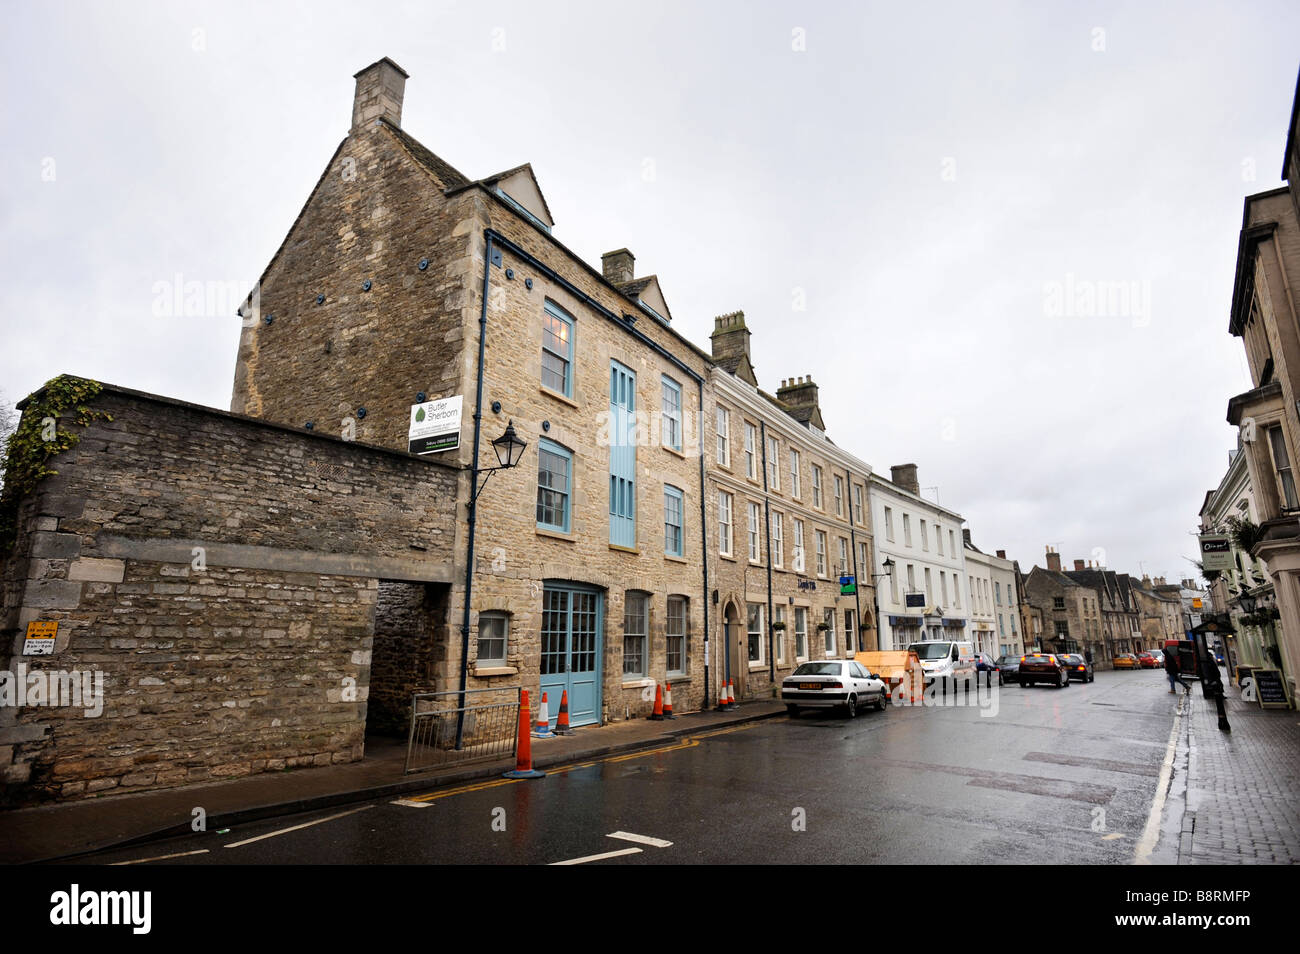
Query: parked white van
[[945, 659]]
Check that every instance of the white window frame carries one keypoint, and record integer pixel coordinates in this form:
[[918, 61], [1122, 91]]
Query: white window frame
[[889, 524], [821, 553], [801, 633], [629, 598], [857, 504], [839, 495], [828, 617], [751, 451], [726, 527], [753, 635], [723, 421], [907, 529], [778, 540], [800, 561], [494, 616], [925, 540], [774, 464], [755, 524], [778, 634], [669, 635], [794, 474], [817, 486]]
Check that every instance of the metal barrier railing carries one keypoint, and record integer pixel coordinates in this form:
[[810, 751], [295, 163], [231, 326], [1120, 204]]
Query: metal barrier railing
[[488, 727]]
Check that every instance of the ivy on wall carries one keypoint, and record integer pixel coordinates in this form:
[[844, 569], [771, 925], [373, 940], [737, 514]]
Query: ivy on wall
[[45, 429]]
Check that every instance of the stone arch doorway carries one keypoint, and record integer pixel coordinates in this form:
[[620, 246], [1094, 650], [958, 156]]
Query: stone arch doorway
[[735, 636]]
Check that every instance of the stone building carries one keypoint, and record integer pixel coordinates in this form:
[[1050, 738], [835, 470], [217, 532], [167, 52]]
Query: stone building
[[1257, 634], [1112, 613], [404, 281], [1031, 617], [1159, 615], [1068, 621], [791, 519], [926, 595], [1264, 315]]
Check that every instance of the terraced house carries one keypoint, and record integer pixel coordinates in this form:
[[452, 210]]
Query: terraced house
[[792, 522]]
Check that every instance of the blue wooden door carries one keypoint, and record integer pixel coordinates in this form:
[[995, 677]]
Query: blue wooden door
[[570, 660]]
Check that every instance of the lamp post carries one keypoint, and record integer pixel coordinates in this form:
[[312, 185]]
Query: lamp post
[[509, 449], [875, 594]]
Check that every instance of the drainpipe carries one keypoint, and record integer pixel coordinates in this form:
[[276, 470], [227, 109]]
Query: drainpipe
[[853, 545], [767, 536], [704, 543], [473, 494]]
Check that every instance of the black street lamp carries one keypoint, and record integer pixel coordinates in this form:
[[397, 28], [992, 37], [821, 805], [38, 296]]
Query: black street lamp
[[875, 593], [509, 447]]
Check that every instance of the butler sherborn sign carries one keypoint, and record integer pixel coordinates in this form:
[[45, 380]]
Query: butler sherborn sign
[[435, 426]]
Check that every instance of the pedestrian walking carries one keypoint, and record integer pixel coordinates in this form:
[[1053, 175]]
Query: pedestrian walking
[[1087, 655], [1171, 669]]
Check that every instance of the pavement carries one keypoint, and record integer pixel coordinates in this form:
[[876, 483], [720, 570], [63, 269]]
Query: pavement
[[62, 831], [1242, 787]]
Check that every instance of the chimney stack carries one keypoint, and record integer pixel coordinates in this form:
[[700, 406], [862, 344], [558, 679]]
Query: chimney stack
[[1002, 554], [380, 87], [1080, 565], [1053, 560], [902, 474], [965, 536], [800, 394], [730, 338], [618, 266]]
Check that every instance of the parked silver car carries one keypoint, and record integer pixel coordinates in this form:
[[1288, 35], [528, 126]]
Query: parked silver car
[[833, 683]]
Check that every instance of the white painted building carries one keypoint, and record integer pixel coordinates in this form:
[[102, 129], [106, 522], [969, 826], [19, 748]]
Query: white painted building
[[994, 625], [924, 541]]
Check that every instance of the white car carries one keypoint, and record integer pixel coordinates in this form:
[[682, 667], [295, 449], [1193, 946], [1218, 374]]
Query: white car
[[833, 683]]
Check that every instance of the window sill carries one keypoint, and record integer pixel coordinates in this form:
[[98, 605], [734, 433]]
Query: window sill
[[562, 398], [728, 557], [756, 666], [556, 535], [674, 451], [496, 671], [677, 677], [633, 550], [637, 683], [675, 559]]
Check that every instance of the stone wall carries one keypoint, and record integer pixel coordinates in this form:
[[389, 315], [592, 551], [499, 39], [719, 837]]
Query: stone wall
[[411, 640], [218, 577]]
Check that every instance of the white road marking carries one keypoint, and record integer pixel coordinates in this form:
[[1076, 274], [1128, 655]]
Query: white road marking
[[640, 839], [285, 831], [1147, 843], [411, 803], [179, 854], [601, 857]]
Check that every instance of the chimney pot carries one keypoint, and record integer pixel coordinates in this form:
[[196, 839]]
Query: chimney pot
[[1002, 554], [1080, 565], [1053, 560], [380, 88]]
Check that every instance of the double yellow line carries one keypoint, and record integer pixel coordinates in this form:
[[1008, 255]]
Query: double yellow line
[[687, 742]]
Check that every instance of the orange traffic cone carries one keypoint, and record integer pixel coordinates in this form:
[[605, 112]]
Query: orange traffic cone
[[731, 695], [668, 701], [657, 714], [562, 720], [543, 730], [523, 744]]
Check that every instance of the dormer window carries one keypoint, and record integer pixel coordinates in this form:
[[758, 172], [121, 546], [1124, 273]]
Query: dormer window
[[651, 312]]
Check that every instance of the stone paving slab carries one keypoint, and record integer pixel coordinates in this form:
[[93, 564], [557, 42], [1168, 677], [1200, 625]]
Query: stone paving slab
[[1243, 786]]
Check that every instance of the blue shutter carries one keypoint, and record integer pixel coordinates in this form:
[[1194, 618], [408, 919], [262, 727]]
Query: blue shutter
[[622, 456]]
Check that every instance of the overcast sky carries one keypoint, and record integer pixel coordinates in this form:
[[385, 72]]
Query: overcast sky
[[939, 186]]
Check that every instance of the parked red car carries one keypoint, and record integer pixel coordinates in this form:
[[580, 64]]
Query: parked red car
[[1148, 661]]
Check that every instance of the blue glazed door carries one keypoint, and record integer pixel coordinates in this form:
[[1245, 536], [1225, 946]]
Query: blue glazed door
[[570, 661]]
